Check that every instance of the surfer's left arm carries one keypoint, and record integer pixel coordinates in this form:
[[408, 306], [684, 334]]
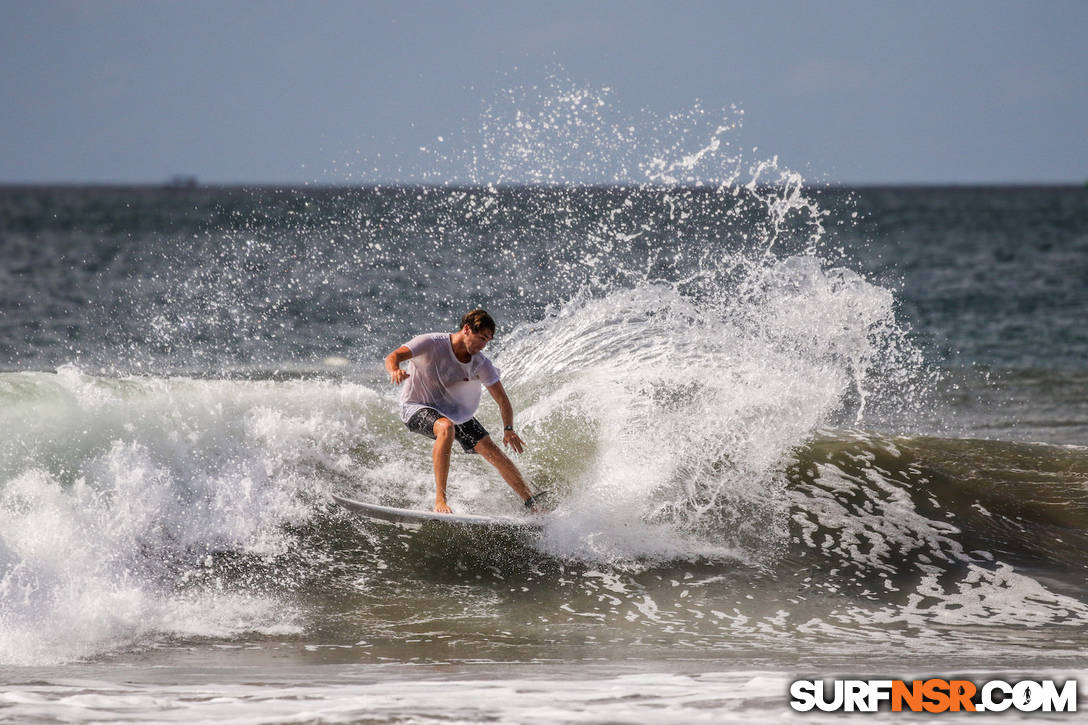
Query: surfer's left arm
[[506, 410]]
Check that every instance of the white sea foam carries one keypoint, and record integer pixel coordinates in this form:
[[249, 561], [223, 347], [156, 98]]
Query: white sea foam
[[641, 698], [423, 697], [116, 494]]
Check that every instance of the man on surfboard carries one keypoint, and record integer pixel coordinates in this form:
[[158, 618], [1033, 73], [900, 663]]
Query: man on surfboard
[[441, 395]]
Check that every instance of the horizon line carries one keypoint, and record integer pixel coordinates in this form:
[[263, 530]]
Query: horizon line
[[191, 183]]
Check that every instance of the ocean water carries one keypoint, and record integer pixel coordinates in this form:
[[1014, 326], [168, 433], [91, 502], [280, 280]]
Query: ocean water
[[793, 431]]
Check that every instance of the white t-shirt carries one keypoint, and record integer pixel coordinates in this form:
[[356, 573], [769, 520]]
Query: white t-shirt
[[437, 379]]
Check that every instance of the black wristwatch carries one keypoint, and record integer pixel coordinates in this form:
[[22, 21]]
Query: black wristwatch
[[508, 427]]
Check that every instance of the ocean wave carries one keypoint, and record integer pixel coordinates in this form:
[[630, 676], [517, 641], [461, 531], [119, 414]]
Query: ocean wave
[[142, 507]]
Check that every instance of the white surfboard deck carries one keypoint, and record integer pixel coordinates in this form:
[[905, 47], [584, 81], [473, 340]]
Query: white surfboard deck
[[414, 519]]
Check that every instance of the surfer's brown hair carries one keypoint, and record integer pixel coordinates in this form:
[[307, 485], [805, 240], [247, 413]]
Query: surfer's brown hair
[[478, 320]]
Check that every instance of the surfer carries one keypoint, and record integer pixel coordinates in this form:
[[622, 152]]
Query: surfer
[[441, 395]]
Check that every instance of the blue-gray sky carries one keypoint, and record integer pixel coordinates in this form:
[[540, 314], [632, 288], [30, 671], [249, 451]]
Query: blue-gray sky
[[851, 91]]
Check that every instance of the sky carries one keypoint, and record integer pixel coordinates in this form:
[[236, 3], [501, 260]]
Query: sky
[[843, 91]]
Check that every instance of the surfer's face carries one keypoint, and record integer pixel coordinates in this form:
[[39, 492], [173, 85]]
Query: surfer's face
[[476, 341]]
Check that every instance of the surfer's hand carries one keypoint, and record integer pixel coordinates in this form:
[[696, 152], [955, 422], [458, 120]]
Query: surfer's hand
[[511, 439], [442, 507], [397, 376]]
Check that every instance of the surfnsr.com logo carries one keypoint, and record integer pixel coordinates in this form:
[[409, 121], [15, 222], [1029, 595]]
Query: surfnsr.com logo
[[933, 695]]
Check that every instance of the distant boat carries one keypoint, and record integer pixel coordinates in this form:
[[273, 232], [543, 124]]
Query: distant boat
[[181, 181]]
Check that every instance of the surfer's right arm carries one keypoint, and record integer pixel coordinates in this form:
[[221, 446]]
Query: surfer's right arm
[[392, 364]]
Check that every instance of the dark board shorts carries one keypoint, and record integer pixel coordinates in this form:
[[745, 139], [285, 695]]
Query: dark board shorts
[[468, 434]]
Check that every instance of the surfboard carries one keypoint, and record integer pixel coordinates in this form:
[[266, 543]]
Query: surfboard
[[414, 519]]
